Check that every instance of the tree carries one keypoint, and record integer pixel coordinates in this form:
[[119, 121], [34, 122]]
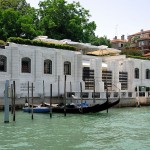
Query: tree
[[27, 27], [18, 5], [8, 23], [18, 19], [60, 20], [100, 41], [56, 19]]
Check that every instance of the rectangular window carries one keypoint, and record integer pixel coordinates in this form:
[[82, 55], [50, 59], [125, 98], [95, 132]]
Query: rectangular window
[[123, 79], [107, 79], [88, 78]]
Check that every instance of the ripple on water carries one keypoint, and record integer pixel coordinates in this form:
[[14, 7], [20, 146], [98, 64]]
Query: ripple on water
[[121, 129]]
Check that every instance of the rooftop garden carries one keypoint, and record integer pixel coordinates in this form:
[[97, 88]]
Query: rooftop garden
[[134, 53], [19, 40]]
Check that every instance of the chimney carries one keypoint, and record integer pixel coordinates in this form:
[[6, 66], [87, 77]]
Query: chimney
[[142, 31], [115, 38], [122, 37]]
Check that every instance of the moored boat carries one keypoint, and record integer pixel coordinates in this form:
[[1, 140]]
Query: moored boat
[[72, 108], [36, 109], [85, 109]]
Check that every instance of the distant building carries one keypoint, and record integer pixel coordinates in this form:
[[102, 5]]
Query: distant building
[[118, 43], [140, 40]]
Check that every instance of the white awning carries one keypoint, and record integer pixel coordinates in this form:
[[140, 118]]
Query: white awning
[[104, 65], [86, 63]]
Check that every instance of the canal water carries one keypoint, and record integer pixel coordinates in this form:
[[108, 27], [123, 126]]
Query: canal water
[[120, 129]]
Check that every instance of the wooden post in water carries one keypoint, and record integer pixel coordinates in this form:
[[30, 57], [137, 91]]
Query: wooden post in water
[[107, 94], [65, 96], [71, 90], [50, 101], [138, 99], [6, 103], [32, 102], [28, 95], [107, 99], [58, 87], [43, 91], [94, 92], [14, 99], [81, 95]]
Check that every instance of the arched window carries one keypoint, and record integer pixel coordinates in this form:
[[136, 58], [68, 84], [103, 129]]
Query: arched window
[[47, 66], [147, 74], [26, 65], [67, 68], [136, 73], [3, 63]]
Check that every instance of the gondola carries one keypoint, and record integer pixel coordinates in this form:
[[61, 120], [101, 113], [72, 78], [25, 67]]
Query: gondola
[[72, 108], [87, 109]]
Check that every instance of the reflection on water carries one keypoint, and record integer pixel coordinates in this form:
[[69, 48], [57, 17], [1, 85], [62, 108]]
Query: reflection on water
[[120, 129]]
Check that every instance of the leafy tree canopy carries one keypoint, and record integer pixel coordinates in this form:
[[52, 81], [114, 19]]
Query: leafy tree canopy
[[100, 41], [56, 19], [61, 20]]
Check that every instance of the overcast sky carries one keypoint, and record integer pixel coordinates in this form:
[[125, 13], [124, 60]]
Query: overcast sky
[[115, 17]]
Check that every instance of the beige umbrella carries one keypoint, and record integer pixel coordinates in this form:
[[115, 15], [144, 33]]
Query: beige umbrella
[[106, 51]]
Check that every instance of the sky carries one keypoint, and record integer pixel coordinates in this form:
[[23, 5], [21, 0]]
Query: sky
[[115, 17]]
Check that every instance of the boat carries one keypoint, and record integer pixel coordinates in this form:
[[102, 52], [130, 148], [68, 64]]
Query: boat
[[72, 108], [36, 109]]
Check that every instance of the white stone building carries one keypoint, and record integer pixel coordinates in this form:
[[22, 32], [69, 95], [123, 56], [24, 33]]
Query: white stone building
[[23, 63]]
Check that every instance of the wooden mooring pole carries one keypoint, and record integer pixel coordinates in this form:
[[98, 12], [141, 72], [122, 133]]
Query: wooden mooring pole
[[6, 103], [50, 101], [43, 92], [28, 95], [71, 91], [94, 93], [65, 96], [81, 95], [58, 87], [14, 99], [107, 96], [32, 103]]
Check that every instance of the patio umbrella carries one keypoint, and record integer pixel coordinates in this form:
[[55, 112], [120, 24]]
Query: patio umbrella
[[105, 51]]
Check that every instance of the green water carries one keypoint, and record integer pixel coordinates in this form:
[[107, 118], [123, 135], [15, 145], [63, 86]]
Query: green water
[[120, 129]]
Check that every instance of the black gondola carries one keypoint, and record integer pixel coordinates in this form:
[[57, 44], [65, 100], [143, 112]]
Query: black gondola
[[88, 109]]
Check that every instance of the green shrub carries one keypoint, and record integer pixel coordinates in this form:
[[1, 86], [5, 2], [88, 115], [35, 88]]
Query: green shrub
[[2, 42], [139, 57], [132, 51], [19, 40]]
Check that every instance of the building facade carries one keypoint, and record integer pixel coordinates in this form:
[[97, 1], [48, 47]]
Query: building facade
[[23, 64], [140, 40], [39, 65], [118, 43]]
